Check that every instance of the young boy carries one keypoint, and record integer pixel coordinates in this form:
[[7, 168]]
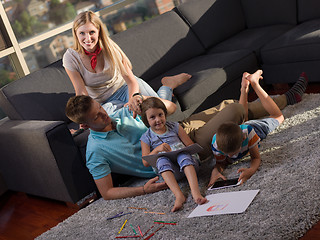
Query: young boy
[[232, 142]]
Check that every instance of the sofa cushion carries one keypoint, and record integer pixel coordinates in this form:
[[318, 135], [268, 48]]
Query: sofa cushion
[[308, 10], [41, 95], [252, 39], [260, 13], [290, 72], [157, 45], [213, 20], [209, 73], [301, 43]]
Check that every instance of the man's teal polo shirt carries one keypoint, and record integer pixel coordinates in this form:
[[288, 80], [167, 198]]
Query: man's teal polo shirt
[[119, 150]]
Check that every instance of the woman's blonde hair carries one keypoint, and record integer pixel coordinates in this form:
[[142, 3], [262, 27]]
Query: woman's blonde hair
[[116, 57]]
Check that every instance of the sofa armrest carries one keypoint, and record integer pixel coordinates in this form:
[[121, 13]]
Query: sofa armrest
[[41, 158]]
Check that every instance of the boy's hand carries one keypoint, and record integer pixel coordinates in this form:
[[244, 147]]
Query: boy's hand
[[246, 173], [152, 186], [215, 175]]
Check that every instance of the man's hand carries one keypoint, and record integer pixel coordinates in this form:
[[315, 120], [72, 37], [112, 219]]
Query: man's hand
[[152, 186], [246, 173], [215, 175]]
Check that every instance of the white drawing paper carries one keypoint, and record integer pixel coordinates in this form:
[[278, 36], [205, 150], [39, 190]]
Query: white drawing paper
[[225, 203]]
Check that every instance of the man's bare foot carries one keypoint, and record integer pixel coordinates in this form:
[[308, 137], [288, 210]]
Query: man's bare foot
[[255, 77], [176, 80], [178, 203]]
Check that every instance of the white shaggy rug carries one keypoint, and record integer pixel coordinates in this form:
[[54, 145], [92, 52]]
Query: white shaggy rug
[[287, 205]]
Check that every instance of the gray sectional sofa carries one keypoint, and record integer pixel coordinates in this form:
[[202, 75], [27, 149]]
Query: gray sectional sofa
[[214, 40]]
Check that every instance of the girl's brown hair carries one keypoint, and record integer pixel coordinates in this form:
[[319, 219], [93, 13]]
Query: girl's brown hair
[[148, 103]]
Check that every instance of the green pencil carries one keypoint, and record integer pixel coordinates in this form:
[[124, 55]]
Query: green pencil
[[133, 229], [164, 222]]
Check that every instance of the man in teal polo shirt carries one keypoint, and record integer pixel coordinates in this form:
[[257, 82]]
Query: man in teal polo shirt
[[113, 146], [114, 141]]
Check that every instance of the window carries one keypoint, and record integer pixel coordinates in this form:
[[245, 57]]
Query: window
[[36, 33], [7, 73]]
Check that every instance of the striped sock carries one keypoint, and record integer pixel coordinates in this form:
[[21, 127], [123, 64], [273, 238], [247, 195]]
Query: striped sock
[[294, 95]]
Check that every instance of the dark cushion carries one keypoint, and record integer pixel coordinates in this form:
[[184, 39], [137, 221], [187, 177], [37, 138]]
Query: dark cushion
[[252, 39], [209, 73], [213, 20], [41, 95], [260, 13], [290, 72], [301, 43], [308, 10], [158, 45]]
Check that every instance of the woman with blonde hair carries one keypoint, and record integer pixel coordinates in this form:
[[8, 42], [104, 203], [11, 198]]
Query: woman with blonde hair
[[98, 67]]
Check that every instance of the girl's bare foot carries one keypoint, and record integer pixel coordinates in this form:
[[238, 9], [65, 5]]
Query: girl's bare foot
[[176, 80], [178, 203], [200, 200]]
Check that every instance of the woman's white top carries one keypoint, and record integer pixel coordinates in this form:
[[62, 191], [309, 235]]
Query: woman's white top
[[100, 86]]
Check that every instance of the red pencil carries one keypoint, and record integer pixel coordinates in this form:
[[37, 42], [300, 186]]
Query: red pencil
[[149, 236], [147, 231], [154, 232], [140, 231], [127, 236]]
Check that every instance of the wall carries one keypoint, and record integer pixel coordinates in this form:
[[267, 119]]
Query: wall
[[3, 187]]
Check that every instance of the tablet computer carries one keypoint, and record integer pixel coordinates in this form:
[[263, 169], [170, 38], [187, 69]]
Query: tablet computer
[[225, 183], [192, 149]]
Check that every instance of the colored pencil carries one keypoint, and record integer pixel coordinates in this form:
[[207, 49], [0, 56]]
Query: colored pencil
[[152, 234], [123, 226], [133, 229], [165, 223], [127, 236], [147, 232], [140, 231], [155, 212], [118, 215], [163, 142]]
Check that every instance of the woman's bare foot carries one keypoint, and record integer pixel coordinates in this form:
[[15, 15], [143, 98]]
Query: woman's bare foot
[[176, 80], [178, 203], [255, 77]]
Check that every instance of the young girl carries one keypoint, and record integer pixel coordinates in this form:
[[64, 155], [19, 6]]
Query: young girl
[[98, 67], [166, 136]]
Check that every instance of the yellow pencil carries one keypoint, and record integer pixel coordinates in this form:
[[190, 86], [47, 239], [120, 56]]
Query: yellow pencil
[[123, 226]]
